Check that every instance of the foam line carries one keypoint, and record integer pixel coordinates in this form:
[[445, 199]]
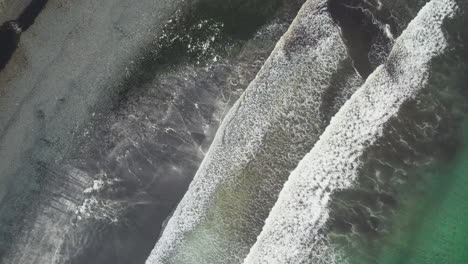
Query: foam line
[[308, 76], [292, 231]]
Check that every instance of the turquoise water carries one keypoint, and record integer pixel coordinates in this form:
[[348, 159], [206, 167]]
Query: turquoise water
[[429, 223], [433, 228], [421, 219], [413, 211]]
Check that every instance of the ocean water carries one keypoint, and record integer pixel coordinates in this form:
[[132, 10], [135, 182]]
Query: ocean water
[[274, 123], [428, 225], [425, 217], [343, 141], [365, 191], [424, 220], [432, 227], [107, 198]]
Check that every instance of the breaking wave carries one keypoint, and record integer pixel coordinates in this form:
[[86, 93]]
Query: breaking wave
[[308, 76], [295, 231]]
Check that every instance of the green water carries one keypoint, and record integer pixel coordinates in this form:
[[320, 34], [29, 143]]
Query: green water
[[430, 226], [434, 228]]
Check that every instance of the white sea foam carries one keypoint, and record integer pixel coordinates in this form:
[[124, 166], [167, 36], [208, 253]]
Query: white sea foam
[[287, 96], [291, 232]]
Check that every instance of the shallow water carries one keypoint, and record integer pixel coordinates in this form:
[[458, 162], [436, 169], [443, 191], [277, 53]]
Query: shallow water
[[369, 176], [424, 213], [106, 201], [432, 228], [105, 149]]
